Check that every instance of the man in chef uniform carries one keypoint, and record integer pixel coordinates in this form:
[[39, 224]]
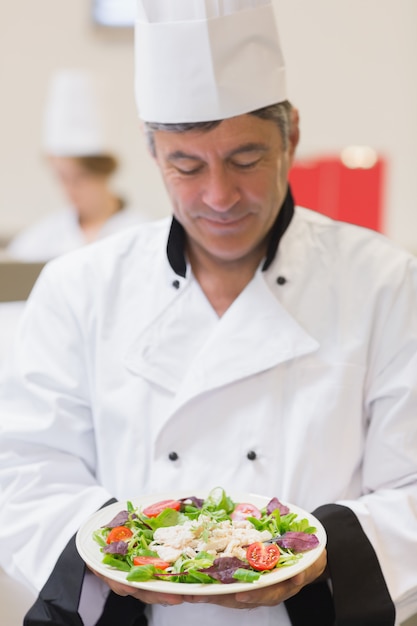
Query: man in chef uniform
[[245, 343]]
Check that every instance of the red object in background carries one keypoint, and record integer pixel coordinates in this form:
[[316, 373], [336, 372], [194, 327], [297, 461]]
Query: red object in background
[[352, 195]]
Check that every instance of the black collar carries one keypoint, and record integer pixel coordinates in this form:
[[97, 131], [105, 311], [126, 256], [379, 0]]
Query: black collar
[[177, 237]]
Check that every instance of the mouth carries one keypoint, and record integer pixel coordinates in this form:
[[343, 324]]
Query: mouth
[[217, 221]]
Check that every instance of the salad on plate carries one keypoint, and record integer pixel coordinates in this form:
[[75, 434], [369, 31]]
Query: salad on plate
[[210, 541]]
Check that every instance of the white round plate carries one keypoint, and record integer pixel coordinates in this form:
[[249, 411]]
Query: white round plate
[[89, 549]]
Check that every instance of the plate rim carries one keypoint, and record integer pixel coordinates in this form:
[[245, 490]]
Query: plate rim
[[99, 517]]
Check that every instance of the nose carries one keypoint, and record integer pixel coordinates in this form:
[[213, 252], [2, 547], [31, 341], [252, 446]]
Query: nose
[[220, 190]]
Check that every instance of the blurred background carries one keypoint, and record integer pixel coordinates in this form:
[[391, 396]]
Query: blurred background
[[352, 72]]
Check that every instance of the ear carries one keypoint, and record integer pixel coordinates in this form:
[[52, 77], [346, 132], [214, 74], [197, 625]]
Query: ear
[[151, 149], [294, 136]]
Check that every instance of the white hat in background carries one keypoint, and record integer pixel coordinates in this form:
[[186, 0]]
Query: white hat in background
[[74, 122], [203, 60]]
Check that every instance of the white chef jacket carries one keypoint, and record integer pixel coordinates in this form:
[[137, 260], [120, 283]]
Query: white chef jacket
[[121, 361], [60, 232], [10, 313]]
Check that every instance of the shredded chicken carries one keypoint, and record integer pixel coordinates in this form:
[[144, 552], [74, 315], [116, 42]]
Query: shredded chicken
[[227, 538]]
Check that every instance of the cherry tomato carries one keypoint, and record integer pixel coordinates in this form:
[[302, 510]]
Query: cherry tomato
[[244, 510], [119, 533], [155, 509], [151, 560], [262, 556]]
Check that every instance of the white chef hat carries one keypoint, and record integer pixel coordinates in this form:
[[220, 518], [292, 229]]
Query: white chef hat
[[203, 60], [74, 122]]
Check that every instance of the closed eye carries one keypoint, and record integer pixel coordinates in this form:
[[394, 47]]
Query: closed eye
[[184, 163], [246, 164], [187, 171], [248, 155]]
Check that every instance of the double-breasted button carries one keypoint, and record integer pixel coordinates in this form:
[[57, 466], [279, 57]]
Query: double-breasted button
[[176, 284], [251, 455], [173, 456], [281, 280]]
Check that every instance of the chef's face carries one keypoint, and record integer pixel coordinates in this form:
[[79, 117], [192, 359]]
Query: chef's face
[[226, 185]]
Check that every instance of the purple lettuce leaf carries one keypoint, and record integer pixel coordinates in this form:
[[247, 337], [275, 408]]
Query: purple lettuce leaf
[[224, 567], [197, 502], [276, 504], [116, 547], [297, 541], [120, 520]]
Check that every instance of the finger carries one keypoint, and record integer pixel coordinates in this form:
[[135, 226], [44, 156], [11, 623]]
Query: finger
[[148, 597], [270, 596], [227, 601], [165, 599]]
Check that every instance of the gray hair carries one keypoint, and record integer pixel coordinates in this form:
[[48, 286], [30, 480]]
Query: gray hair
[[279, 113]]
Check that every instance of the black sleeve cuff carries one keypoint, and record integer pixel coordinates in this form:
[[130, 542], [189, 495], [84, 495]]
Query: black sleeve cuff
[[360, 594], [57, 603]]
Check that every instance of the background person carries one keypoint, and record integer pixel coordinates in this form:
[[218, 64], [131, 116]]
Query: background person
[[78, 150], [240, 343]]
